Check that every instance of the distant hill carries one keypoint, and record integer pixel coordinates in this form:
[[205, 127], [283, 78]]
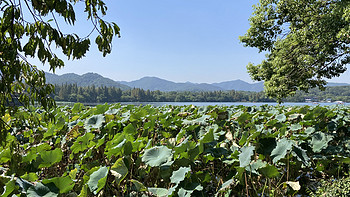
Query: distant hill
[[240, 85], [84, 80], [337, 84], [155, 83]]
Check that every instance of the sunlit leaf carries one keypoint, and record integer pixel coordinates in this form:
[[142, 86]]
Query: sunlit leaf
[[159, 192], [179, 175], [246, 155], [119, 170], [98, 179], [283, 146], [64, 184], [50, 157], [320, 141], [157, 155]]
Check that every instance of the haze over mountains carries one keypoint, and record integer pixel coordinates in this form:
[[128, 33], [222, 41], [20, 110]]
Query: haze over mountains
[[155, 83]]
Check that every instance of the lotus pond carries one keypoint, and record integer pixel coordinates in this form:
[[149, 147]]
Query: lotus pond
[[127, 150]]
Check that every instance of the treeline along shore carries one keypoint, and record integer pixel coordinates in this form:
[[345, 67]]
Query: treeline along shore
[[74, 93]]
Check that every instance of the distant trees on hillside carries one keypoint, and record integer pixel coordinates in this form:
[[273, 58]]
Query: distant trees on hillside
[[90, 94], [93, 94]]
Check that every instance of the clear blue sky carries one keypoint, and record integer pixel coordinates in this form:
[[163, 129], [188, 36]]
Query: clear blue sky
[[177, 40]]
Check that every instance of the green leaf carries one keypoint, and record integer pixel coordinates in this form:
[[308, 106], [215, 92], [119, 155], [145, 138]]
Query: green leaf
[[295, 127], [95, 121], [82, 143], [9, 188], [184, 193], [77, 108], [301, 155], [130, 129], [226, 185], [157, 155], [101, 109], [201, 121], [50, 157], [64, 184], [40, 190], [98, 179], [281, 118], [208, 136], [269, 171], [309, 130], [5, 155], [23, 184], [84, 191], [139, 186], [159, 192], [179, 175], [30, 177], [320, 141], [281, 149], [255, 165], [245, 155], [119, 170]]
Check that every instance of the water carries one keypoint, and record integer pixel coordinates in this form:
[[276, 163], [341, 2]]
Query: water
[[224, 103], [156, 104]]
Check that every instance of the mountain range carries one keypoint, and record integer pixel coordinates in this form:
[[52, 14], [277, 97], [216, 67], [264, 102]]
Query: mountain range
[[155, 83]]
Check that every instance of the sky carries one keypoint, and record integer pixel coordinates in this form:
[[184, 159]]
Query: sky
[[176, 40]]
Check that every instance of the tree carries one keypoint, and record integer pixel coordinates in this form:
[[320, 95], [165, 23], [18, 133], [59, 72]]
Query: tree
[[306, 42], [29, 28]]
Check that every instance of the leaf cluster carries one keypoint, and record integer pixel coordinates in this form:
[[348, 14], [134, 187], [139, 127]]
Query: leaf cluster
[[29, 29], [306, 42], [173, 150]]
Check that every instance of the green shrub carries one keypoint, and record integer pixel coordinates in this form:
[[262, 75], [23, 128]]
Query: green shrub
[[339, 187]]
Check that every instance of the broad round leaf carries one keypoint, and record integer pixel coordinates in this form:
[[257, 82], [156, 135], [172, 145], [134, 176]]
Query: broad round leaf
[[156, 156], [95, 121], [179, 175]]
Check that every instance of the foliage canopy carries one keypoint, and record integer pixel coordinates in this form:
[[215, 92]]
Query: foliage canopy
[[306, 42], [29, 28]]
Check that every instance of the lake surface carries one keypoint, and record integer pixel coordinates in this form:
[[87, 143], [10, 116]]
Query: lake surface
[[205, 103], [224, 103]]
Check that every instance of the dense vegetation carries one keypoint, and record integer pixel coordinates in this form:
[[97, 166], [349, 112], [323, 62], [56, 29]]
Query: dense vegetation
[[173, 150], [30, 29], [73, 93], [92, 94], [305, 41]]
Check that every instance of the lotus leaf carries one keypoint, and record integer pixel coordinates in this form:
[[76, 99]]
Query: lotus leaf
[[41, 190], [119, 170], [98, 179], [269, 171], [245, 156], [64, 184], [320, 141], [281, 149], [50, 157], [157, 155], [159, 192], [95, 121], [139, 186], [179, 175]]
